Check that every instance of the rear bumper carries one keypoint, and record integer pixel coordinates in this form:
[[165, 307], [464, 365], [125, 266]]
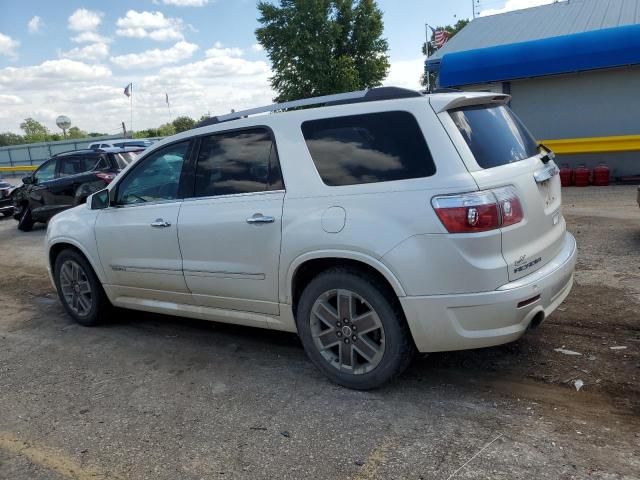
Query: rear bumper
[[464, 321]]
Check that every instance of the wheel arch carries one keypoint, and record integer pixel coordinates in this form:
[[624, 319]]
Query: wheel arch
[[62, 244], [308, 265]]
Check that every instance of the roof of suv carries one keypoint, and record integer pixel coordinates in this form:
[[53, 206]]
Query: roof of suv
[[96, 151]]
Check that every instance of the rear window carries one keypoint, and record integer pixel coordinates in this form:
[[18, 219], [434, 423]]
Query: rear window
[[495, 135], [375, 147]]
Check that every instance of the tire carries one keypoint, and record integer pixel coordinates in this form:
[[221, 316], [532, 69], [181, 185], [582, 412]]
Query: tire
[[79, 290], [25, 222], [361, 359]]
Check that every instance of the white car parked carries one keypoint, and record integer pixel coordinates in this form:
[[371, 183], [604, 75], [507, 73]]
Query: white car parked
[[377, 224]]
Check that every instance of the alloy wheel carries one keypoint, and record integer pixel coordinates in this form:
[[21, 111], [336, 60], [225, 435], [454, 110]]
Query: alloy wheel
[[347, 331], [76, 288]]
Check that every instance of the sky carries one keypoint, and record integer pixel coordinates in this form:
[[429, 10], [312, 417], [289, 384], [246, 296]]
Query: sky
[[75, 57]]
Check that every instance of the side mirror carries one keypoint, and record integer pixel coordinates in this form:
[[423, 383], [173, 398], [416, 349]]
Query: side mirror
[[99, 200], [27, 180]]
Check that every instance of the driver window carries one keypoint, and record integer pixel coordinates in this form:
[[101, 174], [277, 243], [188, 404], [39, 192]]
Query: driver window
[[156, 179], [46, 172]]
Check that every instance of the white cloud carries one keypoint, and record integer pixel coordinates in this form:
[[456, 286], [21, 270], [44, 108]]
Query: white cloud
[[45, 75], [83, 20], [79, 89], [153, 25], [515, 5], [8, 46], [35, 24], [10, 100], [90, 37], [157, 57], [405, 74], [184, 3], [218, 50], [256, 47], [92, 52]]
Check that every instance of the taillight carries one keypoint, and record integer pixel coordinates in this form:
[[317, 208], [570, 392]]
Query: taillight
[[479, 211], [106, 177]]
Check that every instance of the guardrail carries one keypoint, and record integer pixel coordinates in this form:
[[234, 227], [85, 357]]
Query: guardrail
[[572, 146], [19, 168]]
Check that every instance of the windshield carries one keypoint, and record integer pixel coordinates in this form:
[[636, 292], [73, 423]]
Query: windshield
[[124, 159], [495, 135]]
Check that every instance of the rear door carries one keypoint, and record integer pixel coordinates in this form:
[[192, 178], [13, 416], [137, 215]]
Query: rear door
[[230, 232], [74, 171], [499, 151]]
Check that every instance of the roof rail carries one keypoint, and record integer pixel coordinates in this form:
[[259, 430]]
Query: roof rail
[[373, 94]]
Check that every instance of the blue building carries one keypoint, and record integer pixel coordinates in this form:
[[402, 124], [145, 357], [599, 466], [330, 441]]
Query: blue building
[[572, 69]]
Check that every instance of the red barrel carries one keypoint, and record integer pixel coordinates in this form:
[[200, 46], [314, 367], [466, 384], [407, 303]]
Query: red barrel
[[581, 176], [601, 175], [565, 176]]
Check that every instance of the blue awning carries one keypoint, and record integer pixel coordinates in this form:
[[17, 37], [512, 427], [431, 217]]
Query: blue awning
[[606, 48]]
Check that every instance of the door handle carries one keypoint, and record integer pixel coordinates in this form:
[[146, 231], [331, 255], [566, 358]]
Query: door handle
[[160, 223], [259, 218]]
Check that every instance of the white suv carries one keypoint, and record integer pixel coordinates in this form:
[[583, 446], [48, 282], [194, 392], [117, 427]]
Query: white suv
[[377, 224]]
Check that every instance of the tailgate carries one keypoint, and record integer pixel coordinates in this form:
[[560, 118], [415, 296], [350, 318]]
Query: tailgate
[[499, 151], [531, 243]]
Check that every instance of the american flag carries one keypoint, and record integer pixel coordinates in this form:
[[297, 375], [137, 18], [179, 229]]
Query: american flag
[[441, 36]]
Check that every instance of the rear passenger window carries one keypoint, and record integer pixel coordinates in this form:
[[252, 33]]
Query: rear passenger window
[[375, 147], [237, 162], [76, 165]]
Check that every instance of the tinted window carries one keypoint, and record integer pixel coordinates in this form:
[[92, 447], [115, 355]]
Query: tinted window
[[494, 134], [376, 147], [237, 162], [156, 178], [75, 165], [47, 171]]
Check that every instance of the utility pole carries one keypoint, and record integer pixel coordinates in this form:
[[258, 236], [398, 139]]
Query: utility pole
[[124, 130], [473, 7]]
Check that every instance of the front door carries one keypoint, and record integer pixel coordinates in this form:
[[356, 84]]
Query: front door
[[40, 198], [230, 231], [138, 237]]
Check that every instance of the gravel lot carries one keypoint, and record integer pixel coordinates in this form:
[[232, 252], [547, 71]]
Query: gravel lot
[[157, 397]]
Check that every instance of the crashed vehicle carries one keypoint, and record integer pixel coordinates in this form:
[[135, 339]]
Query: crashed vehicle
[[6, 202], [66, 180]]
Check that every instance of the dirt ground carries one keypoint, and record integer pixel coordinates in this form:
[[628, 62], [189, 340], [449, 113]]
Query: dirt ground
[[157, 397]]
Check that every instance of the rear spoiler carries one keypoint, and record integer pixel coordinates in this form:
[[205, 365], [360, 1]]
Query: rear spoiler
[[449, 102]]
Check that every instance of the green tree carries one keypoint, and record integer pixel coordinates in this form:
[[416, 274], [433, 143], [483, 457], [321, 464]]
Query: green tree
[[182, 124], [75, 132], [34, 131], [8, 138], [319, 47], [429, 49]]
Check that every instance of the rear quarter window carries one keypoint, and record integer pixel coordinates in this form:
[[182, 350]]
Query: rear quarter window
[[494, 134], [369, 148]]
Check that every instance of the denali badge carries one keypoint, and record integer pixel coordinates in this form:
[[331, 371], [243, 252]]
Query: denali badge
[[526, 266]]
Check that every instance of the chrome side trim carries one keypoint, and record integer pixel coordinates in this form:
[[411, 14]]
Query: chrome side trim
[[238, 275]]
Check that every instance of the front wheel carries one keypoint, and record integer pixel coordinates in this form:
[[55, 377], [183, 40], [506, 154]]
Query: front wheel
[[79, 289], [353, 329], [25, 222]]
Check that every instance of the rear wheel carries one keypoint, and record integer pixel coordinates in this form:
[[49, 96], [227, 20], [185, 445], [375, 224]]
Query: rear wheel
[[79, 289], [25, 221], [353, 330]]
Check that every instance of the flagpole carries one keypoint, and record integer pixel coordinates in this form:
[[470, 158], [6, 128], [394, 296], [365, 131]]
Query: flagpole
[[426, 49], [131, 107]]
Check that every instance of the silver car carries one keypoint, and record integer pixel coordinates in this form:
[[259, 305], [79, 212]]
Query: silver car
[[375, 225]]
